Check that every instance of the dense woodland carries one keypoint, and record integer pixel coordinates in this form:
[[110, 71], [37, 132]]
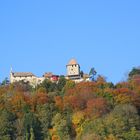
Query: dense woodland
[[96, 110]]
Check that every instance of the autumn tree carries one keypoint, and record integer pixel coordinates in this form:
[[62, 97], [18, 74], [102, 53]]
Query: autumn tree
[[96, 107], [60, 127]]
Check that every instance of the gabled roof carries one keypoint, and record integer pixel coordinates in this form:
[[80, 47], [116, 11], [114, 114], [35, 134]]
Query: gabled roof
[[22, 74]]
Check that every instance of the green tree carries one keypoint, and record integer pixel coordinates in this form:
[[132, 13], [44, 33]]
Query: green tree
[[32, 136], [7, 129], [119, 123], [48, 85], [132, 134], [5, 81], [31, 121], [59, 124], [61, 83], [27, 135], [45, 115], [69, 85], [19, 129], [92, 74], [133, 72]]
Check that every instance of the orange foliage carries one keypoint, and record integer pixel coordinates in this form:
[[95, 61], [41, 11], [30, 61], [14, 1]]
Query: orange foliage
[[55, 137], [77, 101], [17, 103], [37, 99], [42, 98], [59, 102], [83, 87], [77, 97], [122, 91], [96, 107], [123, 95]]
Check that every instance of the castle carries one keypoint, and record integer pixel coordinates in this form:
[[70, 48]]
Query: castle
[[73, 70], [73, 73]]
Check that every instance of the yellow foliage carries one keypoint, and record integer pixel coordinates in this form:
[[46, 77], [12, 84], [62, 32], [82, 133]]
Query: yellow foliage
[[121, 98], [77, 118], [111, 137]]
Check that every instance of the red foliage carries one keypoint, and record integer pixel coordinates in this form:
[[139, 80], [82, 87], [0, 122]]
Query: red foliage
[[122, 91], [77, 101]]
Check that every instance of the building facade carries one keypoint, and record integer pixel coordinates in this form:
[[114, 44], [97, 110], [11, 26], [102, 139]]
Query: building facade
[[52, 77], [73, 70], [26, 77]]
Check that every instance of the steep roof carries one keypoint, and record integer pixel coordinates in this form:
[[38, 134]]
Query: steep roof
[[72, 62], [22, 74]]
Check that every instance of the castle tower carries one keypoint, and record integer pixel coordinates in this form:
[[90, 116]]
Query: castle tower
[[73, 70]]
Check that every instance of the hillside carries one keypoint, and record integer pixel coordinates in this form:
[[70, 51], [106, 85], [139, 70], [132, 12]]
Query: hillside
[[96, 110]]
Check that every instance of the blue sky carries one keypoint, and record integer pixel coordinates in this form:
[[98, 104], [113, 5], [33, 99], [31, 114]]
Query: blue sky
[[42, 35]]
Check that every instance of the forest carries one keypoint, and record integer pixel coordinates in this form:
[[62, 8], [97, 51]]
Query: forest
[[97, 110]]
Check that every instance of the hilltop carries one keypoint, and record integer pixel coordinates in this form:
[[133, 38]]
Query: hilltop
[[66, 110]]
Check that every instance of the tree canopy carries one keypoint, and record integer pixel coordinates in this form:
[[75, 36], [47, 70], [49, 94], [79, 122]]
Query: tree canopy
[[95, 110]]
